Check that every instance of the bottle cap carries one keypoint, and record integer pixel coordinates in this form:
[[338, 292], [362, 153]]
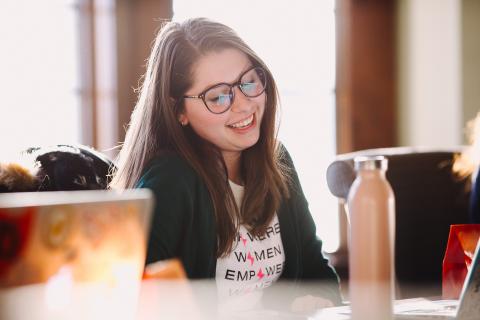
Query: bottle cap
[[370, 163]]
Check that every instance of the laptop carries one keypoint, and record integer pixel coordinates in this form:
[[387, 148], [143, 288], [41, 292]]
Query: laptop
[[466, 308], [71, 244]]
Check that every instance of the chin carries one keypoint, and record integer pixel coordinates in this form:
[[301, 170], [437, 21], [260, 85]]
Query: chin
[[249, 144]]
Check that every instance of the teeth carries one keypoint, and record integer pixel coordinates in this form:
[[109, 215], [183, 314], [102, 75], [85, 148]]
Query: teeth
[[243, 123]]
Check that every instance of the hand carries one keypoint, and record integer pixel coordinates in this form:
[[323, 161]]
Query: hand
[[309, 304]]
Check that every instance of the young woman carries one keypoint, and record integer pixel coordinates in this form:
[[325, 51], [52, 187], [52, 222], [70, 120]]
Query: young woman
[[203, 138], [467, 166]]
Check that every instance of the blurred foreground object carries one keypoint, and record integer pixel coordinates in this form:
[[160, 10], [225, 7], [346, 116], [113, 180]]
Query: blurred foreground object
[[371, 211], [64, 254], [462, 242]]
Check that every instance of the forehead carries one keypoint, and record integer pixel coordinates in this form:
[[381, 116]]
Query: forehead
[[219, 66]]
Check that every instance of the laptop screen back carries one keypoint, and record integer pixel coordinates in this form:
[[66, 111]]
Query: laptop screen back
[[90, 236], [469, 306]]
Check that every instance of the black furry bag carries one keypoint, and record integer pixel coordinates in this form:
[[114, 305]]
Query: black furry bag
[[60, 167]]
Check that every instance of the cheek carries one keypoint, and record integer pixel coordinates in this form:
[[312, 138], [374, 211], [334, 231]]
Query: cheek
[[198, 115], [262, 104], [206, 125], [207, 121]]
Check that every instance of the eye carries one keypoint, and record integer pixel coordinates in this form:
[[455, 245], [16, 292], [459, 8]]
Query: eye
[[219, 95], [249, 87], [222, 99]]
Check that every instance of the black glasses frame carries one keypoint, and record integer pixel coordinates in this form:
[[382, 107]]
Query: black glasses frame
[[238, 84]]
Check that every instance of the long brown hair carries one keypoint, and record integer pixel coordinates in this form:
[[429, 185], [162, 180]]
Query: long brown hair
[[154, 128]]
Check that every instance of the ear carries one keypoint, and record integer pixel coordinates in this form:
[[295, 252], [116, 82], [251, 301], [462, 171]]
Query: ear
[[182, 119]]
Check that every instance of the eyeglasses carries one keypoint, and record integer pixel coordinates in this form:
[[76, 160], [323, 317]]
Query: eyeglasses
[[219, 98]]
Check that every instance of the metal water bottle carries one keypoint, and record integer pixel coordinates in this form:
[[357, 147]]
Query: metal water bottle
[[371, 212]]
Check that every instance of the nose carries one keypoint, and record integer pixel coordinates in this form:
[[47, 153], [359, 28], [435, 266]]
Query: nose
[[241, 103]]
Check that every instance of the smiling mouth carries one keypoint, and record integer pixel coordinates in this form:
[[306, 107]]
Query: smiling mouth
[[242, 124]]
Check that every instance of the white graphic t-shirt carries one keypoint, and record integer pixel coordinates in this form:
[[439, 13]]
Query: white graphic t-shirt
[[255, 263]]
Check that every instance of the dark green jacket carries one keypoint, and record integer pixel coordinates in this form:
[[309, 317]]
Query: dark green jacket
[[183, 226]]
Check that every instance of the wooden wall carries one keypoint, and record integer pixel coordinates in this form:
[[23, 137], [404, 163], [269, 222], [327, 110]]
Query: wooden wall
[[366, 80], [137, 24]]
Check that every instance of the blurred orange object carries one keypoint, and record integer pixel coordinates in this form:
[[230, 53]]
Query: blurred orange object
[[461, 245], [166, 269]]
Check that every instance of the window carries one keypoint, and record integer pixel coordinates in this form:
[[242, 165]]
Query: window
[[39, 82], [297, 41]]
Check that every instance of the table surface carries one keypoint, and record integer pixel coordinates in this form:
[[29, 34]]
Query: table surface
[[156, 299]]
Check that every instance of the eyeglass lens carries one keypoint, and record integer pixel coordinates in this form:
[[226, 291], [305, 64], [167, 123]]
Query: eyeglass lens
[[219, 98]]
